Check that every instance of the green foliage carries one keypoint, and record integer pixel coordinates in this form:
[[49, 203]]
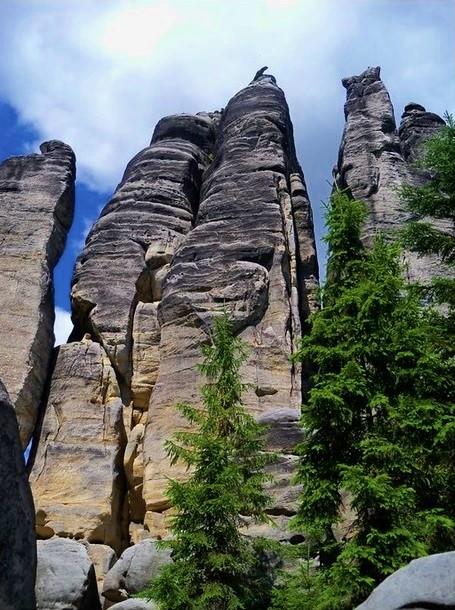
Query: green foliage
[[214, 567], [435, 200], [379, 424]]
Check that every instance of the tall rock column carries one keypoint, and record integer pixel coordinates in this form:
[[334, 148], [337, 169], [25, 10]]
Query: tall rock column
[[36, 210], [375, 159], [17, 536], [87, 476], [252, 252]]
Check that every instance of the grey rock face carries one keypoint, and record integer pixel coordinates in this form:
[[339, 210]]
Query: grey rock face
[[428, 582], [416, 126], [134, 604], [36, 210], [370, 163], [251, 251], [140, 228], [65, 577], [375, 158], [77, 478], [17, 536], [119, 275], [133, 572]]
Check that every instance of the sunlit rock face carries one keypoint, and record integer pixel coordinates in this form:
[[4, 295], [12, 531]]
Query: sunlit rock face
[[77, 479], [213, 214], [375, 158], [36, 211], [252, 252]]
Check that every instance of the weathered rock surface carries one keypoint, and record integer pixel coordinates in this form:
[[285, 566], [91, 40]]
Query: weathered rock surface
[[416, 126], [77, 478], [213, 213], [133, 572], [65, 577], [134, 604], [36, 210], [251, 251], [428, 582], [375, 158], [132, 244], [17, 536], [103, 558], [152, 210]]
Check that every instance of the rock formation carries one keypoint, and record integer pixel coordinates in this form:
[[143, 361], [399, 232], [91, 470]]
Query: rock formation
[[252, 252], [65, 577], [213, 214], [375, 158], [36, 210], [81, 450], [135, 569], [17, 536], [428, 582]]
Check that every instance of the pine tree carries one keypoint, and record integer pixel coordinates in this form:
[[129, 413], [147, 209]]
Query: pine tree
[[214, 566], [379, 423]]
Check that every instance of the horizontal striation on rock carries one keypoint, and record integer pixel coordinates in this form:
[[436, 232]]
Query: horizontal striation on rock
[[128, 249], [375, 159], [417, 125], [36, 211], [77, 477], [252, 252]]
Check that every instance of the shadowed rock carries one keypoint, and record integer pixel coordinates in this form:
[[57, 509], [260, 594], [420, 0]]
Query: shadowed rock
[[17, 535], [36, 210]]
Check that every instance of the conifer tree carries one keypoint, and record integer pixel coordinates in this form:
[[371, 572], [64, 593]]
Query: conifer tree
[[379, 424], [214, 566], [435, 200]]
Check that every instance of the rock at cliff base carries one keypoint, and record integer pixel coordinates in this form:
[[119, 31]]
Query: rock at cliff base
[[65, 577], [133, 572], [76, 479], [134, 604], [428, 582], [17, 536]]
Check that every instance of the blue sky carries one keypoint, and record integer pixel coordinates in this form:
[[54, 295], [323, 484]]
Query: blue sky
[[99, 75]]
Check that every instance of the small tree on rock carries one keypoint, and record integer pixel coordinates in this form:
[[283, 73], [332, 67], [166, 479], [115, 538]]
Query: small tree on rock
[[214, 566]]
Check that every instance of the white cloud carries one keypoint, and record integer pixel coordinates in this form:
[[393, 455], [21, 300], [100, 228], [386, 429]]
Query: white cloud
[[62, 325], [99, 75]]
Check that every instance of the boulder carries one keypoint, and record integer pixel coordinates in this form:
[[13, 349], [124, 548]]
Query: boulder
[[17, 532], [134, 604], [133, 572], [103, 558], [65, 577], [428, 582]]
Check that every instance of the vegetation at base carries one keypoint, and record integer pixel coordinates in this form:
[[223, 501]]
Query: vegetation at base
[[379, 424], [214, 566], [435, 201]]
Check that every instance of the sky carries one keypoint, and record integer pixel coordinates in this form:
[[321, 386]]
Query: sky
[[99, 74]]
